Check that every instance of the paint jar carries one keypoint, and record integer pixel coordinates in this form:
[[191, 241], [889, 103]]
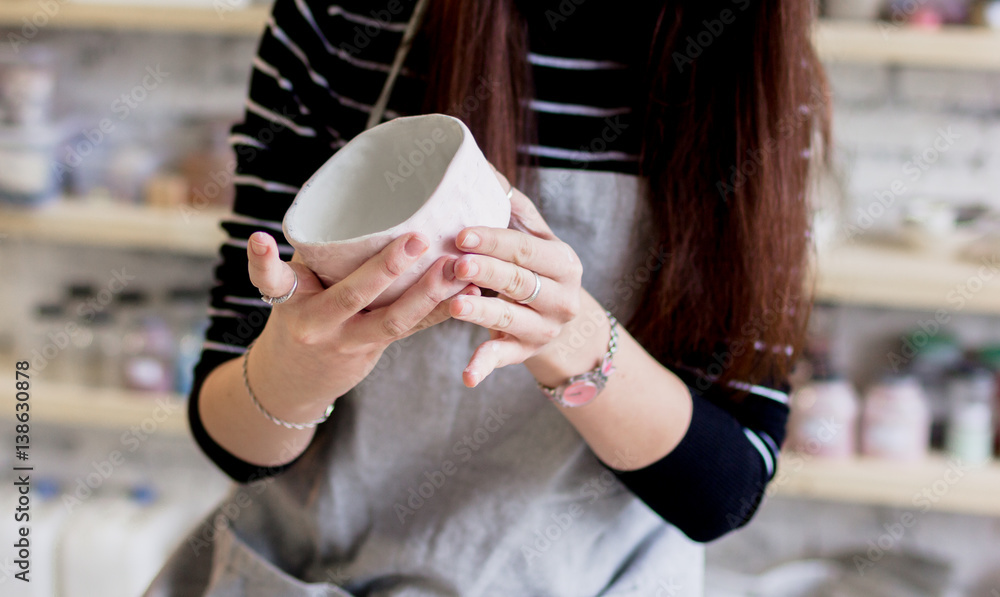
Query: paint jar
[[824, 418], [896, 420]]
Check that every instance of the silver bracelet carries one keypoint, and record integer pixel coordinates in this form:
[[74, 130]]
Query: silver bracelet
[[272, 418]]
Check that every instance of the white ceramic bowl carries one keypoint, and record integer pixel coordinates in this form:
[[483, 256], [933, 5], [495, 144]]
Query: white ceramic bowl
[[412, 174]]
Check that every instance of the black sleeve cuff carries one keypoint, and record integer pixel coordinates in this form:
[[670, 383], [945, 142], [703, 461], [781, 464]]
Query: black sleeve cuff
[[714, 480], [239, 470]]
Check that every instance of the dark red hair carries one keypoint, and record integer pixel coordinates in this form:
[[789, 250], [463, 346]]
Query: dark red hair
[[728, 136]]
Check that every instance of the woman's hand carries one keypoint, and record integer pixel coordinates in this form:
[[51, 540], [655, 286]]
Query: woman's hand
[[320, 343], [503, 260]]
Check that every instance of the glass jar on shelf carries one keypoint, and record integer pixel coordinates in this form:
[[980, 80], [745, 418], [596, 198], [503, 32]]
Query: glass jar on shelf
[[147, 345], [189, 321], [896, 420]]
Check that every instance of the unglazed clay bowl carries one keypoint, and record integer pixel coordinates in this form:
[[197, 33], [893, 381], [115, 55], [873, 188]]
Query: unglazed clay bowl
[[413, 174]]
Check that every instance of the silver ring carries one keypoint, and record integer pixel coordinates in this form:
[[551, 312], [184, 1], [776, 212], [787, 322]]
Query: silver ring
[[272, 300], [538, 288], [510, 193]]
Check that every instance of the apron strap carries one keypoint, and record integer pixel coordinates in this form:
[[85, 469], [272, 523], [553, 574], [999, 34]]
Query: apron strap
[[404, 48]]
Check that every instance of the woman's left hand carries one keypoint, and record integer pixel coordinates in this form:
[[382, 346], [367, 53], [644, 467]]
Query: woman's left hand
[[503, 260]]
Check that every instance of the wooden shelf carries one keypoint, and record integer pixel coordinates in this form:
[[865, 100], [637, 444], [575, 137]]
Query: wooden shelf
[[935, 482], [961, 47], [180, 230], [99, 408], [121, 16], [885, 276]]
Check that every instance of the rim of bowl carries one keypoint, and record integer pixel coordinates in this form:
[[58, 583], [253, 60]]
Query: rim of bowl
[[466, 134]]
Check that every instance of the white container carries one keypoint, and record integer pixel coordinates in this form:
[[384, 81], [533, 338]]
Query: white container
[[896, 421], [824, 418], [413, 174], [27, 156], [969, 432]]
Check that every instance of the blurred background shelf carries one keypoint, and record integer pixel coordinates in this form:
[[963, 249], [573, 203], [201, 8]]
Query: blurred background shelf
[[886, 276], [880, 42], [857, 274], [180, 230], [961, 47], [122, 16], [934, 483], [100, 408]]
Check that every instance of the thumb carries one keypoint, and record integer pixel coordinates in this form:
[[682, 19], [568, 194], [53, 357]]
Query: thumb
[[268, 272]]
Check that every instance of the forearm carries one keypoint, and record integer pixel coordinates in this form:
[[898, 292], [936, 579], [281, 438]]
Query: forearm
[[644, 410], [233, 421]]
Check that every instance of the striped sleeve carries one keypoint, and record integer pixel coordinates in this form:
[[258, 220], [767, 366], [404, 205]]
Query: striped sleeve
[[310, 91], [713, 482]]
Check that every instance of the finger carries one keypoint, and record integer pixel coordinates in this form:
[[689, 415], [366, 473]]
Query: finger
[[392, 321], [518, 284], [492, 355], [497, 314], [552, 258], [268, 272], [365, 284], [442, 311]]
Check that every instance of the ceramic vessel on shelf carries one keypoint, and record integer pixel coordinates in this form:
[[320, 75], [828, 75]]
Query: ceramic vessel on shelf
[[412, 174]]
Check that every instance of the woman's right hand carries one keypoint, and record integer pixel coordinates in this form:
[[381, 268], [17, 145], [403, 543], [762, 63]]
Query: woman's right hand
[[319, 343]]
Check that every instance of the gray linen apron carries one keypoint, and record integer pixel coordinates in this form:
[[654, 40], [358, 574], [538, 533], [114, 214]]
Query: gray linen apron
[[420, 486]]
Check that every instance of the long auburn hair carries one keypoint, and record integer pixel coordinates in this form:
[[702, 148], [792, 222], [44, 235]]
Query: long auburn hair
[[727, 140]]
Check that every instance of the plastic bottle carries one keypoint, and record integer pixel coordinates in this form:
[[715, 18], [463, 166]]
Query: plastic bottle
[[896, 419]]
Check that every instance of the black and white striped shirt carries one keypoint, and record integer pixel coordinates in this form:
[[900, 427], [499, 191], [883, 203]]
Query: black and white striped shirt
[[319, 69]]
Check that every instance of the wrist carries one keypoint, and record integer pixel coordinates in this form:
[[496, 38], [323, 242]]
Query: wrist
[[288, 388], [579, 348]]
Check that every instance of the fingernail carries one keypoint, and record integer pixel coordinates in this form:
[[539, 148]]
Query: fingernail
[[257, 247], [464, 307], [449, 270], [471, 241], [471, 269], [415, 246], [473, 376]]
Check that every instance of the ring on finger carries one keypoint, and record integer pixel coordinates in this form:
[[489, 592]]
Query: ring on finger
[[534, 293], [277, 300]]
